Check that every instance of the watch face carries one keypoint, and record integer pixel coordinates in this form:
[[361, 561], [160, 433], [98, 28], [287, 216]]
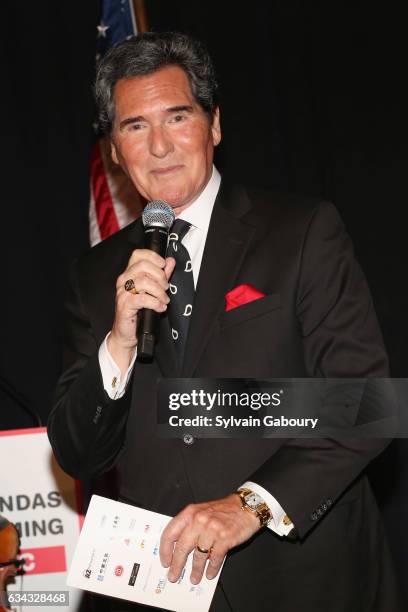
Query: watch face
[[252, 500]]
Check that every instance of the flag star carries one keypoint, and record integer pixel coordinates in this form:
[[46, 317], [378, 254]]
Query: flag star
[[102, 30]]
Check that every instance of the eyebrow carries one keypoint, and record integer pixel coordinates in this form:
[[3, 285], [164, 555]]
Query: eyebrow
[[187, 108]]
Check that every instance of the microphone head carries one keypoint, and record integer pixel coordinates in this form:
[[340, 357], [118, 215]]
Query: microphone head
[[158, 214]]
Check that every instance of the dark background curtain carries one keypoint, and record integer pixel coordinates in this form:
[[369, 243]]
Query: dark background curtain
[[312, 101]]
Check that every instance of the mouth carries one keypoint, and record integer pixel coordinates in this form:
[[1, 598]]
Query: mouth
[[166, 170]]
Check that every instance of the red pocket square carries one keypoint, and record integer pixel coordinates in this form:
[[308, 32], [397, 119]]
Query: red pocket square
[[243, 294]]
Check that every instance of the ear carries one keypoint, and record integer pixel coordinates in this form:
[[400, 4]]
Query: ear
[[216, 127], [114, 154]]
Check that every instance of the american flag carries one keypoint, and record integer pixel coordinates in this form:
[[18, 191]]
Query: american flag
[[114, 201]]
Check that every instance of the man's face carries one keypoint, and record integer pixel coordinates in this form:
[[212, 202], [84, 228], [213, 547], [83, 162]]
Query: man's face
[[162, 138]]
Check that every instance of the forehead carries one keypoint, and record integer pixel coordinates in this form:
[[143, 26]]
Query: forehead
[[168, 86]]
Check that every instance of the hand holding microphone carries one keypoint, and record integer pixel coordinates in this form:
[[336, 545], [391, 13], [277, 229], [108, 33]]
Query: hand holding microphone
[[150, 272]]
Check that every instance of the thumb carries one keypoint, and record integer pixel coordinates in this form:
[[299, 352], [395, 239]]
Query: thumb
[[169, 267]]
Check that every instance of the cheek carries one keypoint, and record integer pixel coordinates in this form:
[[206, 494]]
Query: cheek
[[134, 159], [131, 148], [194, 139]]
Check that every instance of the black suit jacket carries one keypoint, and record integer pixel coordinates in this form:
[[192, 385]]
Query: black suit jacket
[[317, 319]]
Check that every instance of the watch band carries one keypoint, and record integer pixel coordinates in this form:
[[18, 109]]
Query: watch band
[[261, 509]]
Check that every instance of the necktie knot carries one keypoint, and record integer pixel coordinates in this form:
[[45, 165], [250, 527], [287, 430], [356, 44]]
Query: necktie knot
[[179, 230]]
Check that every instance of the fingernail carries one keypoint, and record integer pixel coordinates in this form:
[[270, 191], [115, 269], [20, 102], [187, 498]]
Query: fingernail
[[171, 577], [193, 580]]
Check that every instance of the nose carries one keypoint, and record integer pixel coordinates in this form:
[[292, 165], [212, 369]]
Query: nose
[[160, 143]]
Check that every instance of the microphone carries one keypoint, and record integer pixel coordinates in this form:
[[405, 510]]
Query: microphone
[[157, 217]]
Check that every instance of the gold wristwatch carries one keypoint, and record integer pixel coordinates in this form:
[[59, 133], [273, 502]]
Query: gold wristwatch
[[254, 503]]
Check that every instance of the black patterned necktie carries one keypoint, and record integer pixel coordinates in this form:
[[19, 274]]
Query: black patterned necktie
[[181, 290]]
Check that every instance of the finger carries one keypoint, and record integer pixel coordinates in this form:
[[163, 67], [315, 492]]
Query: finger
[[128, 304], [140, 270], [200, 558], [215, 562], [182, 549], [145, 284], [173, 532], [169, 537], [147, 255], [169, 267], [151, 287], [151, 303]]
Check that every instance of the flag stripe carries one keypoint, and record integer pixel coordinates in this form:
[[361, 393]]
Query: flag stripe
[[105, 212], [114, 201], [94, 233]]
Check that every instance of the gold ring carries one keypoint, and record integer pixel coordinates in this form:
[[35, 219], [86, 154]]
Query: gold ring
[[130, 286], [205, 551]]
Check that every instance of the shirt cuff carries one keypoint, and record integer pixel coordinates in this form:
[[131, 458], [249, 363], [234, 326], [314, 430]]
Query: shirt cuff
[[113, 382], [280, 523]]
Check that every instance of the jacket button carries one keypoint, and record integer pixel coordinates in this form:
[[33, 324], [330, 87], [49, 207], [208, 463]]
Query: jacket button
[[188, 439], [313, 516]]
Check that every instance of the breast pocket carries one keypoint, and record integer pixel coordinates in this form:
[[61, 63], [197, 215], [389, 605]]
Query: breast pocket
[[252, 310]]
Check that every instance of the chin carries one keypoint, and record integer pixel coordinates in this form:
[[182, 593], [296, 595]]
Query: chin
[[174, 199]]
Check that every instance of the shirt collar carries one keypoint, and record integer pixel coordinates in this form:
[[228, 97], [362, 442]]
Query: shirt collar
[[198, 214]]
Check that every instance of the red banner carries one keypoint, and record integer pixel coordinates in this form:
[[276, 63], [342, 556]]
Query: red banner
[[44, 560]]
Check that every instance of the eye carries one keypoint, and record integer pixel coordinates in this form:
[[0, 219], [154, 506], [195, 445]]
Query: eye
[[178, 118], [134, 126]]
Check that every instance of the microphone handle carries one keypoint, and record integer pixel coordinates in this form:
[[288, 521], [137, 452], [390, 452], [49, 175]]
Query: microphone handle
[[147, 319]]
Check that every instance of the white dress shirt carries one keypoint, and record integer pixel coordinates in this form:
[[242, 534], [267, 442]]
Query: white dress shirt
[[198, 214]]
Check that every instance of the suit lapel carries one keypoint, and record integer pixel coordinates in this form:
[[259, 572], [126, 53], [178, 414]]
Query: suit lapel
[[227, 242]]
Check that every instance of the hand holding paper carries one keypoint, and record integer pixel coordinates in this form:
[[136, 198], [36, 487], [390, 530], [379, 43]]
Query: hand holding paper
[[118, 555], [215, 526]]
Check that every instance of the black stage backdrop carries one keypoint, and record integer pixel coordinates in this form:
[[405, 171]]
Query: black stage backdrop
[[312, 100]]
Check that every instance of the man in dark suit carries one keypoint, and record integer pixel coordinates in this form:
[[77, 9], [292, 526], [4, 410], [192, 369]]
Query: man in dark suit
[[310, 536]]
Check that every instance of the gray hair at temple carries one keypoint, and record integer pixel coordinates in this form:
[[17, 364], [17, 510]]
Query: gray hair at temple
[[146, 53]]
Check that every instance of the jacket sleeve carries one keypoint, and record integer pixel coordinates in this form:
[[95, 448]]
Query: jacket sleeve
[[86, 428], [341, 339]]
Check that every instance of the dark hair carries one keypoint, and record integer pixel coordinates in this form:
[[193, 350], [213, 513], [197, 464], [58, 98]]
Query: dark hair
[[147, 53]]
